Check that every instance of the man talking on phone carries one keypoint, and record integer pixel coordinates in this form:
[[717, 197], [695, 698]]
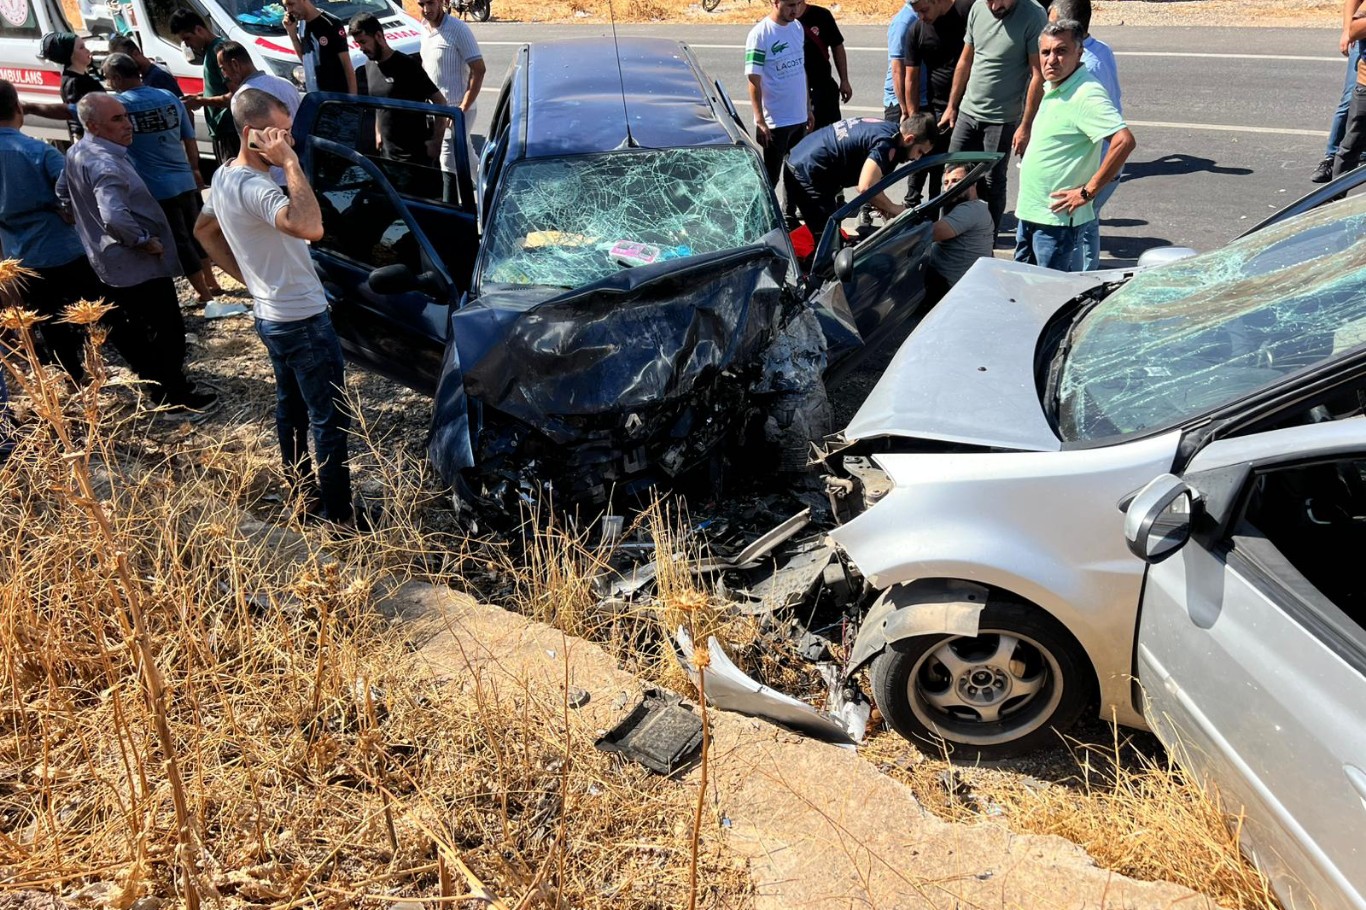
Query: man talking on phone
[[260, 235]]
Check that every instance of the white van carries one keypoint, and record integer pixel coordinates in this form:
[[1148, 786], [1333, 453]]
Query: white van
[[257, 24]]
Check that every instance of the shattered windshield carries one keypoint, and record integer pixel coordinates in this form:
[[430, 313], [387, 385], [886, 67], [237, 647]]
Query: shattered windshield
[[567, 222], [267, 17], [1188, 337]]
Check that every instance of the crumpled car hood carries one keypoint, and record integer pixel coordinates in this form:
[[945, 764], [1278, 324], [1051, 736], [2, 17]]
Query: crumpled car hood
[[966, 375]]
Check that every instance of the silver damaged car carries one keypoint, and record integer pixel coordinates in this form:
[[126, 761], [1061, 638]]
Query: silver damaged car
[[984, 485]]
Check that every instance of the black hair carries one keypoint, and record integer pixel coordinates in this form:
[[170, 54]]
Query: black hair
[[366, 23], [922, 126], [185, 20], [232, 50], [9, 100], [123, 66]]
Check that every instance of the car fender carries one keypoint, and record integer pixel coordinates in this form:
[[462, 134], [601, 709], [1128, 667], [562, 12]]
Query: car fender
[[930, 606]]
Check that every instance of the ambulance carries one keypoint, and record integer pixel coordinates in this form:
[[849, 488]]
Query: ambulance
[[256, 24]]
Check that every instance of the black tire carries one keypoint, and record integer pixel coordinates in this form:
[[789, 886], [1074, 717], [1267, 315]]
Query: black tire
[[482, 11], [981, 713]]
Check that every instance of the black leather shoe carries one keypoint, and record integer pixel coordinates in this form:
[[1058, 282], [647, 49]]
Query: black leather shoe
[[1324, 172]]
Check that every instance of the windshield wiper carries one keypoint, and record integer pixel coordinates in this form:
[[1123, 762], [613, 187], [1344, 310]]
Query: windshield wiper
[[1055, 363]]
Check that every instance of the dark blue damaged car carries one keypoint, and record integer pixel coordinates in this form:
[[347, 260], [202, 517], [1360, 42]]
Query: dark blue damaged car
[[613, 298]]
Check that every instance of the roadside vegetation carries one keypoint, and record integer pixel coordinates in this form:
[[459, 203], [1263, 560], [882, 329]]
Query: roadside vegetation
[[204, 699]]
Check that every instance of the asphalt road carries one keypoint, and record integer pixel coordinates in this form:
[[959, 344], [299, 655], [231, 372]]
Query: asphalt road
[[1230, 122]]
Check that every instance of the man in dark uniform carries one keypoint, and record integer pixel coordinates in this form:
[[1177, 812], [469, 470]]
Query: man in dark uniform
[[319, 39], [402, 136], [823, 42], [857, 152]]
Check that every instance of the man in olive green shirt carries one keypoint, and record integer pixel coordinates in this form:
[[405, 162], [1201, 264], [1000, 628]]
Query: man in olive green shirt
[[1062, 169], [189, 26], [996, 88]]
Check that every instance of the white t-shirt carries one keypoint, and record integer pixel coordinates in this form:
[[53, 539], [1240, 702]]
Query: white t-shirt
[[776, 53], [277, 268]]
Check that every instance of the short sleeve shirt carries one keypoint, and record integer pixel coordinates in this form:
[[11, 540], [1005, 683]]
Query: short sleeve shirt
[[446, 54], [276, 267], [324, 41], [832, 157], [403, 134], [935, 48], [776, 53], [1000, 60], [902, 23], [160, 128], [973, 238], [1064, 147], [822, 34]]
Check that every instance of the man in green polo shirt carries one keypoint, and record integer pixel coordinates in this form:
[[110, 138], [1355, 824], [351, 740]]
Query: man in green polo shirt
[[189, 26], [1062, 168]]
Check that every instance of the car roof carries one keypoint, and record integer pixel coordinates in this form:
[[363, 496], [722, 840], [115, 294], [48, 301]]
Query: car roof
[[572, 99]]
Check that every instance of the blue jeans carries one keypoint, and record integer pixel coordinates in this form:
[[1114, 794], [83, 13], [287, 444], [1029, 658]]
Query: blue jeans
[[309, 396], [1340, 116], [1090, 231], [1053, 246]]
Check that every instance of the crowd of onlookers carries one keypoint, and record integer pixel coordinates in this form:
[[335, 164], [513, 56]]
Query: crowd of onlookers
[[124, 212], [1005, 76]]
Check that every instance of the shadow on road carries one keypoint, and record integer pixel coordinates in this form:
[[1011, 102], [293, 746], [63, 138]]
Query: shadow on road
[[1176, 165]]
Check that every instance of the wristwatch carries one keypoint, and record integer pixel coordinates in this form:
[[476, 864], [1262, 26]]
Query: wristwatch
[[1085, 193]]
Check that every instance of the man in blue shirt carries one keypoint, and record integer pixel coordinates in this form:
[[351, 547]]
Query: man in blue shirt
[[32, 231], [166, 157]]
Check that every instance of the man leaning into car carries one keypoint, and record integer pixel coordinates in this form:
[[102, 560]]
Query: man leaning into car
[[1062, 170], [852, 152]]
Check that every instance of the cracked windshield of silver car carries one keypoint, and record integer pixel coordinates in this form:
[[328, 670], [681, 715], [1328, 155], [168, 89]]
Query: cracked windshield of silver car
[[567, 222], [1188, 337]]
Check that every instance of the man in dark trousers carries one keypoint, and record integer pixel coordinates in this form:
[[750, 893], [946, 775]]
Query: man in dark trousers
[[400, 135], [824, 42], [126, 236], [997, 86], [857, 152], [933, 46], [320, 41]]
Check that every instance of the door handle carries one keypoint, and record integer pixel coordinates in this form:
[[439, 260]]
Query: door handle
[[1357, 778]]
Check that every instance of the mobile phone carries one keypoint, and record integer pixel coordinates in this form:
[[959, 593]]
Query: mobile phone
[[255, 140]]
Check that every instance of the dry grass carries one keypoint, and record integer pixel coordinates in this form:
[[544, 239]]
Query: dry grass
[[201, 705], [1135, 814]]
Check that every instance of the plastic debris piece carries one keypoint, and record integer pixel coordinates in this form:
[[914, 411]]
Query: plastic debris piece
[[659, 733], [215, 310]]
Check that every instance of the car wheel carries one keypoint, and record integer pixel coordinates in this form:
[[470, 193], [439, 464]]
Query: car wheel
[[1011, 689]]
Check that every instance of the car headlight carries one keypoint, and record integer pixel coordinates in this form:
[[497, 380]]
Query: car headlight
[[287, 69]]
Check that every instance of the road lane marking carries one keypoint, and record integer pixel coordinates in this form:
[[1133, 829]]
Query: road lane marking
[[1155, 124], [882, 50]]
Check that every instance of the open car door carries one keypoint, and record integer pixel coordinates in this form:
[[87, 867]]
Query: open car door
[[395, 256], [1251, 649], [865, 291]]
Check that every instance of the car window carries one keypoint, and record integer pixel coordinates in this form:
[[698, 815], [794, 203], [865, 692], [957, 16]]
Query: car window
[[352, 124], [161, 12], [1315, 515], [360, 222], [267, 17], [17, 20], [1183, 339], [567, 222]]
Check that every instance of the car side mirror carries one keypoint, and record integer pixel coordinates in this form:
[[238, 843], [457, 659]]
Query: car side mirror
[[1158, 521], [400, 279], [1161, 255], [844, 264]]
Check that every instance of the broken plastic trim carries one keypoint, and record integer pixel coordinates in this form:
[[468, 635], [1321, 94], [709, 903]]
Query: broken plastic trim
[[729, 689]]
